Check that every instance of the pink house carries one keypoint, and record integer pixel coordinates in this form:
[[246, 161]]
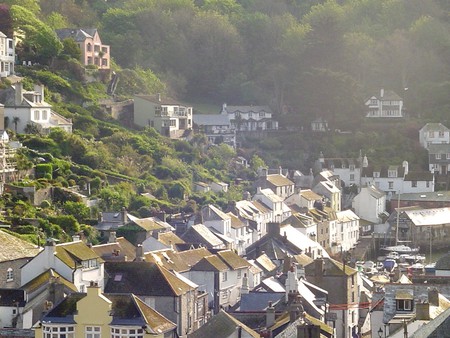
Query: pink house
[[93, 52]]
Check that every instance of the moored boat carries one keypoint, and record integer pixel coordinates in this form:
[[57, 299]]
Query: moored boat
[[401, 249]]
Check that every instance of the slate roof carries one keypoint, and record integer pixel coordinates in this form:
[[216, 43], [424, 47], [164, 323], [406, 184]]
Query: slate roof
[[210, 210], [279, 180], [199, 233], [143, 279], [233, 260], [425, 217], [122, 247], [340, 163], [425, 196], [443, 148], [14, 248], [265, 262], [259, 301], [177, 261], [211, 120], [169, 238], [419, 176], [78, 34], [374, 191], [248, 109], [310, 195], [236, 223], [44, 278], [8, 98], [331, 268], [383, 170], [285, 318], [222, 325], [73, 253], [210, 263]]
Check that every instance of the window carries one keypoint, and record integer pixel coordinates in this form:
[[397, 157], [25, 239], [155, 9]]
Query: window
[[262, 114], [105, 62], [93, 332], [404, 304], [431, 134], [414, 184], [127, 332], [9, 275], [447, 156], [36, 115], [58, 331], [352, 177], [105, 50], [44, 115], [392, 173], [376, 174], [89, 47], [90, 264], [97, 48], [352, 167], [428, 184], [89, 60], [438, 156], [441, 134], [173, 123], [391, 185], [239, 274], [224, 276]]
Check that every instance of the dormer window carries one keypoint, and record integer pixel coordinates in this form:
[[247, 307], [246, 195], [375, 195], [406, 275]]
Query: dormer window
[[392, 173], [89, 264], [404, 304], [9, 275]]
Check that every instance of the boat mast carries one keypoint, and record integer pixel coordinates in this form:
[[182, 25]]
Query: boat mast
[[398, 217]]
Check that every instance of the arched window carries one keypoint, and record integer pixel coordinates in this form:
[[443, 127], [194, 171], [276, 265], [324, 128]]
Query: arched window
[[89, 47]]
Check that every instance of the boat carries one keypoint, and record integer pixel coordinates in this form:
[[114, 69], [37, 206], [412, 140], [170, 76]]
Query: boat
[[416, 269], [389, 264], [401, 249], [411, 259], [430, 269]]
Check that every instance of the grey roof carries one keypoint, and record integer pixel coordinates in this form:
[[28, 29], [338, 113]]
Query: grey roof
[[424, 196], [259, 301], [211, 120], [442, 148], [199, 233], [77, 34], [437, 327], [248, 109], [375, 192], [159, 99]]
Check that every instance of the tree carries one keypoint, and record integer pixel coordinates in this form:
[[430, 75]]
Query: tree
[[77, 209]]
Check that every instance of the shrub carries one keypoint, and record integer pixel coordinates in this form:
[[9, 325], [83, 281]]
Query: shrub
[[44, 170]]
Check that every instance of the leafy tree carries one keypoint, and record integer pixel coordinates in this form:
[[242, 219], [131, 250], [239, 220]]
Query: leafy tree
[[77, 209]]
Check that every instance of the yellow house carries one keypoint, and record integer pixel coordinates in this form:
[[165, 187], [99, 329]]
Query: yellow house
[[93, 315]]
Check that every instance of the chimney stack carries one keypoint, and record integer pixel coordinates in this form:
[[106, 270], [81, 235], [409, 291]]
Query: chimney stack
[[139, 253], [270, 315], [245, 288], [433, 297], [112, 237], [18, 93], [318, 269]]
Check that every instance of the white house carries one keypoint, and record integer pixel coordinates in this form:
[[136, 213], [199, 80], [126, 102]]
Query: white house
[[304, 199], [7, 56], [23, 108], [257, 214], [75, 261], [347, 231], [434, 133], [331, 192], [278, 183], [370, 203], [169, 117], [398, 179], [216, 127], [250, 118], [388, 104], [241, 232], [274, 202]]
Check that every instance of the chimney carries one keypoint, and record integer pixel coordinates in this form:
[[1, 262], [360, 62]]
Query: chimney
[[280, 170], [245, 288], [18, 93], [295, 309], [39, 90], [270, 315], [124, 215], [321, 158], [433, 297], [224, 109], [318, 269], [273, 229], [93, 289], [291, 282], [112, 237], [159, 97], [382, 92], [308, 331], [139, 253], [423, 311], [75, 238]]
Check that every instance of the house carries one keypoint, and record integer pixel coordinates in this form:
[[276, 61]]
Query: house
[[94, 314], [342, 284], [173, 296], [109, 222], [221, 275], [250, 118], [7, 56], [397, 179], [241, 232], [219, 186], [75, 261], [268, 198], [347, 169], [347, 231], [140, 229], [93, 51], [200, 234], [15, 252], [216, 127], [304, 199], [331, 192], [303, 223], [224, 325], [12, 304], [370, 204], [388, 104], [201, 187], [257, 214], [28, 108], [278, 183], [169, 117], [319, 124], [439, 158], [434, 133]]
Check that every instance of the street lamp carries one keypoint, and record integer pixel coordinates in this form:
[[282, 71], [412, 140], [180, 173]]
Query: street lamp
[[380, 332]]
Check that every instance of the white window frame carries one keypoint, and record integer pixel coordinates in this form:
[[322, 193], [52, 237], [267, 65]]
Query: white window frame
[[93, 332], [58, 331], [9, 275], [127, 332]]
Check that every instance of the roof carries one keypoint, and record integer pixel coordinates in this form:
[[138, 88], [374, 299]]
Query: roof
[[209, 211], [424, 196], [177, 261], [14, 247], [403, 294], [159, 99], [154, 320], [233, 260], [150, 223], [45, 278], [374, 191], [12, 297], [222, 325], [210, 263], [236, 222], [73, 253], [211, 120], [434, 127], [346, 216], [265, 262], [269, 194], [439, 148], [425, 217], [133, 277], [331, 268], [419, 176], [310, 195], [199, 233], [169, 238], [78, 34], [285, 318], [259, 301], [279, 180], [248, 109], [122, 247]]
